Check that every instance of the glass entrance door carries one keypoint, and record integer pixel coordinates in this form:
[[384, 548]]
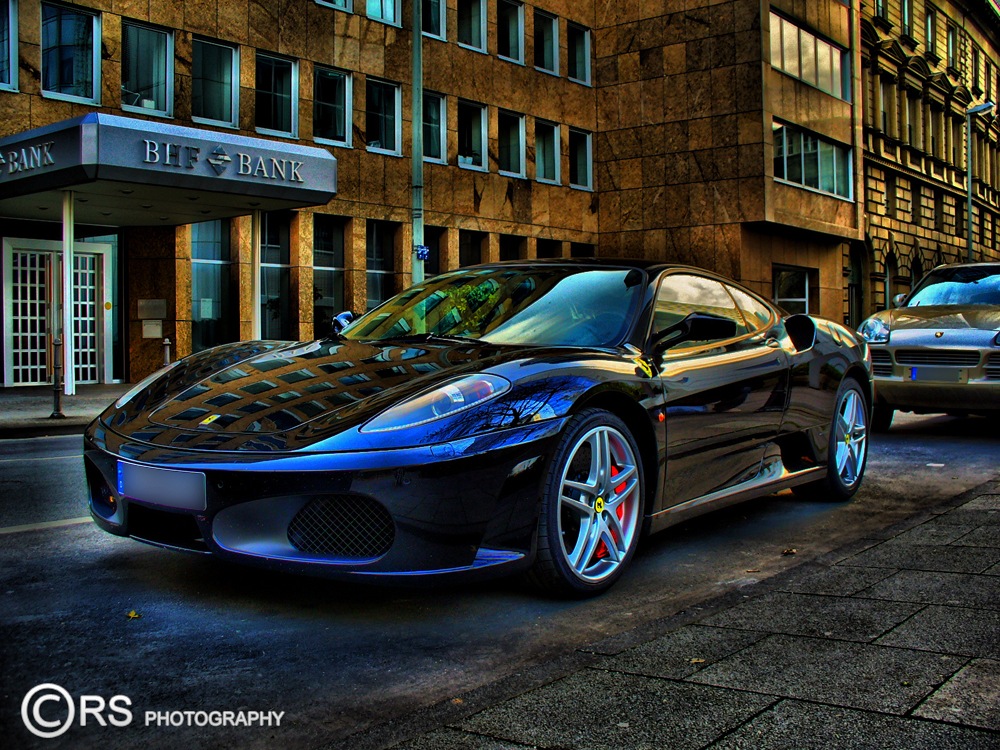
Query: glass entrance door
[[32, 273]]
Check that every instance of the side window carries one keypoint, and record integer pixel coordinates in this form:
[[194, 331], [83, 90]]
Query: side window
[[680, 295], [757, 314]]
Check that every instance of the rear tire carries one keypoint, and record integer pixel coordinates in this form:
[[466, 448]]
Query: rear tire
[[847, 453], [592, 507], [882, 415]]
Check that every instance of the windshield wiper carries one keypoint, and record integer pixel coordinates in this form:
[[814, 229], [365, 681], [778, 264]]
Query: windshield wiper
[[425, 337]]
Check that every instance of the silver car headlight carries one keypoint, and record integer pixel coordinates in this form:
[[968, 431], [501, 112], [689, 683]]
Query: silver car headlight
[[444, 401], [875, 331]]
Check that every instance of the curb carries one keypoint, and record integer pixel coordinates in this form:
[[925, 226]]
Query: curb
[[43, 427]]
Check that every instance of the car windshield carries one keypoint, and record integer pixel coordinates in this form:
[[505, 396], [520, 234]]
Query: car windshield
[[543, 306], [963, 285]]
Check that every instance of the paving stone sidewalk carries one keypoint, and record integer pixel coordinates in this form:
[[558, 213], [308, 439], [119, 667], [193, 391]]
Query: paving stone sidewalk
[[892, 642]]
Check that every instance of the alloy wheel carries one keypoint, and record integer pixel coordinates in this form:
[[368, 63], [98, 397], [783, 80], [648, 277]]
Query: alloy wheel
[[851, 437], [599, 504]]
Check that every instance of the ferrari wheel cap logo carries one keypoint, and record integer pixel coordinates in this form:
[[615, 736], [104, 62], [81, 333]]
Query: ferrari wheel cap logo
[[209, 419], [938, 334], [599, 505]]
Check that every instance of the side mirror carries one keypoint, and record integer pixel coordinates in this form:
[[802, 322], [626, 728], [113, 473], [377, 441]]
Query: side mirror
[[898, 300], [696, 327], [340, 322]]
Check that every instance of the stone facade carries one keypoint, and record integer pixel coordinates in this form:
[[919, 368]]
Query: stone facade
[[684, 107], [924, 64]]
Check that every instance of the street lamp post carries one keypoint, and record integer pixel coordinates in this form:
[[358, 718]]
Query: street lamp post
[[984, 107]]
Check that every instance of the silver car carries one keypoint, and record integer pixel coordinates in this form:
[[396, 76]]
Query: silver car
[[938, 350]]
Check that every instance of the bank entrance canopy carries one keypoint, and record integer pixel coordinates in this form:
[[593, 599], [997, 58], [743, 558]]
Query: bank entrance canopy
[[105, 170]]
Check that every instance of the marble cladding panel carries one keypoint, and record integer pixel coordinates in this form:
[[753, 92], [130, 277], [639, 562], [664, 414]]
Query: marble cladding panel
[[202, 16]]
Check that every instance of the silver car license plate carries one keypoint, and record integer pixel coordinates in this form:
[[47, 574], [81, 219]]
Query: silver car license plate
[[171, 488], [940, 374]]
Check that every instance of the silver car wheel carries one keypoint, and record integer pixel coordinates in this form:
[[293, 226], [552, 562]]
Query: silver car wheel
[[599, 503], [851, 437]]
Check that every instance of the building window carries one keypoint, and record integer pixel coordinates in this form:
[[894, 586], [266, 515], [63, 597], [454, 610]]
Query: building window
[[383, 10], [952, 47], [379, 259], [276, 100], [435, 128], [807, 160], [214, 83], [975, 67], [472, 24], [804, 56], [930, 30], [328, 271], [546, 151], [906, 13], [472, 135], [332, 106], [791, 289], [881, 11], [510, 137], [548, 248], [339, 4], [383, 126], [582, 250], [8, 44], [512, 247], [988, 80], [580, 159], [275, 255], [432, 21], [510, 30], [546, 42], [470, 247], [434, 238], [71, 61], [578, 52], [212, 318], [147, 69]]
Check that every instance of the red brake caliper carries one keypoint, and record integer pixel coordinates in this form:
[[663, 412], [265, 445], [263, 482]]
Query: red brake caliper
[[602, 548]]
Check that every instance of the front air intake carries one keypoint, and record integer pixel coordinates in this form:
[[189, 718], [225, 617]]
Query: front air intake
[[347, 527]]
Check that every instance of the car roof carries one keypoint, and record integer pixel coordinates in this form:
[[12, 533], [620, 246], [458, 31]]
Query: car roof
[[650, 266]]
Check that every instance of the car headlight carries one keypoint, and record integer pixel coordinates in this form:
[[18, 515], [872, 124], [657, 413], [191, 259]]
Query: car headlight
[[144, 383], [874, 331], [996, 341], [444, 401]]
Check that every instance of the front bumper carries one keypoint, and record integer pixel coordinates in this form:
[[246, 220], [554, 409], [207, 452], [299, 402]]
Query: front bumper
[[463, 507], [925, 379]]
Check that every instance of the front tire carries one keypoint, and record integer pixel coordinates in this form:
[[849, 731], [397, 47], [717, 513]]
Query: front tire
[[847, 453], [592, 507]]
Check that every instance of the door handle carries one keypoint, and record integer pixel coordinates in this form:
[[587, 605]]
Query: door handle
[[772, 343]]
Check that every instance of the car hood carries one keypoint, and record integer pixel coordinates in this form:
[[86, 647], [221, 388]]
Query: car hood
[[945, 317], [274, 389]]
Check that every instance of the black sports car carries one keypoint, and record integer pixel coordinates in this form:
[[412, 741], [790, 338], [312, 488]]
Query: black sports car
[[537, 417]]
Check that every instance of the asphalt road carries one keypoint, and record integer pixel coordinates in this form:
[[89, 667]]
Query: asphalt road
[[206, 636]]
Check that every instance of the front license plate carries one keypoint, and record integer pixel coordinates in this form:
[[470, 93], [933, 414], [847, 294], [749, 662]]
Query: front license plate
[[940, 374], [171, 488]]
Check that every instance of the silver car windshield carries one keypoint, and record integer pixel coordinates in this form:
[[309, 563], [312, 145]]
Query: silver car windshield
[[540, 306], [968, 285]]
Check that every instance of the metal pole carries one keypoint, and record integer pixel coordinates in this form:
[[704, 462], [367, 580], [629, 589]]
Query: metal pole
[[57, 380], [968, 183], [69, 378], [166, 352], [417, 124]]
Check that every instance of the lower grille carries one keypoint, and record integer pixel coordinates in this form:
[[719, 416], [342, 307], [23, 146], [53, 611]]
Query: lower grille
[[354, 527], [163, 527], [943, 357], [993, 367], [881, 362]]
